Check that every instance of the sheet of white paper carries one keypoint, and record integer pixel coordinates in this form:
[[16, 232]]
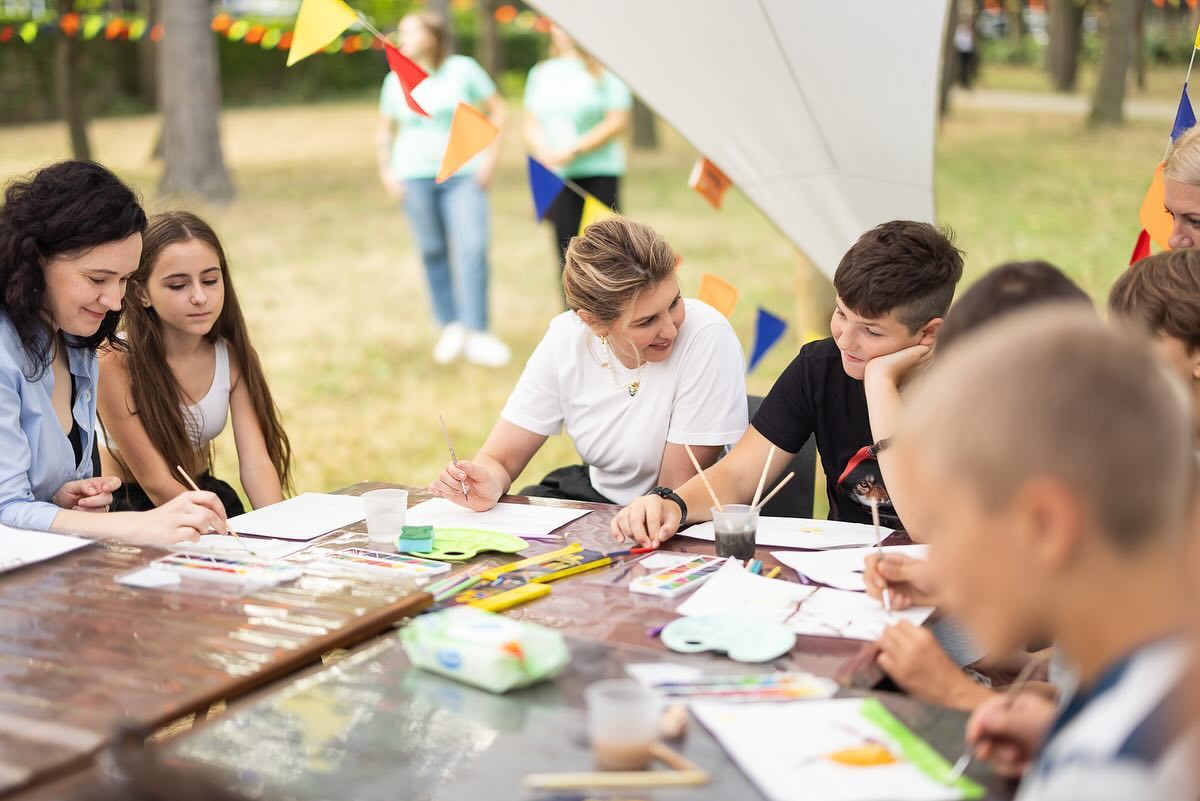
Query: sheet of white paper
[[797, 532], [651, 674], [842, 567], [785, 748], [19, 547], [852, 615], [224, 545], [523, 520], [733, 590], [304, 517], [663, 560], [150, 577]]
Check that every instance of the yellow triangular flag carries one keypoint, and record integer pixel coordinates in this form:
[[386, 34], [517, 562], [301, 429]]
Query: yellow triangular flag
[[1198, 38], [593, 211], [319, 23], [1153, 215], [470, 134], [718, 293]]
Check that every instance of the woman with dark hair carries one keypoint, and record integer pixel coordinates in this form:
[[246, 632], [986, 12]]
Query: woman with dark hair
[[188, 364], [70, 237]]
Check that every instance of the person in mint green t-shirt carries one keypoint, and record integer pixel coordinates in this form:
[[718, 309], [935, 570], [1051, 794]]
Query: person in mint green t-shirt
[[575, 113], [449, 220]]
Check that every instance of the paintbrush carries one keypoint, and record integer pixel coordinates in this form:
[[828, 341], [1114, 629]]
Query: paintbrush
[[887, 593], [453, 458], [187, 478], [1010, 695]]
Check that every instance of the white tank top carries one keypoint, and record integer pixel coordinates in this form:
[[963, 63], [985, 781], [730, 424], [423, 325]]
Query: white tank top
[[206, 419]]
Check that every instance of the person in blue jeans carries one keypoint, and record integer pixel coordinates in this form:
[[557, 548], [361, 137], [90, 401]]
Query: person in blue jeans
[[449, 220]]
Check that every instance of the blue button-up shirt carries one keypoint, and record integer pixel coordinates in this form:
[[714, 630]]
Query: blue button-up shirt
[[36, 457]]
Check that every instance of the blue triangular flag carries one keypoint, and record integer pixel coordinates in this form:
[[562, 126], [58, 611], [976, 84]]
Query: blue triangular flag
[[545, 186], [767, 331], [1184, 118]]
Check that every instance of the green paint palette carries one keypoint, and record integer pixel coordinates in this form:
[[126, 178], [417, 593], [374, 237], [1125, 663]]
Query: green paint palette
[[743, 639], [461, 544]]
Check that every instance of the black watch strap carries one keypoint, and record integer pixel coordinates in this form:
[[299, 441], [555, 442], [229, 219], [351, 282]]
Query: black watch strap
[[671, 495]]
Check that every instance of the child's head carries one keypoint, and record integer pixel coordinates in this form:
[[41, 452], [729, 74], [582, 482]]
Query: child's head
[[894, 286], [1040, 454], [619, 277], [1162, 293], [182, 287], [1003, 290]]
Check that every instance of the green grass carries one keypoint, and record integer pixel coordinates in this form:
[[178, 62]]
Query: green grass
[[335, 295], [1163, 82]]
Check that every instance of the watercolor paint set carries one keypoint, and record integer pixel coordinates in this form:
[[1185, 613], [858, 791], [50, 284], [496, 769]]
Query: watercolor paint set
[[379, 563], [679, 579]]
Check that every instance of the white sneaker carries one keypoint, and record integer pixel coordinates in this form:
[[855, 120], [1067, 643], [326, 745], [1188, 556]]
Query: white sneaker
[[450, 346], [486, 350]]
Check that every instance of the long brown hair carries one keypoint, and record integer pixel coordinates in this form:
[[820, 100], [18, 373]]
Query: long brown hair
[[158, 399], [435, 24]]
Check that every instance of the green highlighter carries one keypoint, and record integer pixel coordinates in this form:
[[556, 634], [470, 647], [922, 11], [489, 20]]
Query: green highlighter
[[415, 539]]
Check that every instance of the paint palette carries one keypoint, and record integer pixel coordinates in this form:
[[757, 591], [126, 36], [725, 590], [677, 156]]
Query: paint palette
[[682, 578], [179, 568], [461, 544], [743, 639], [383, 564]]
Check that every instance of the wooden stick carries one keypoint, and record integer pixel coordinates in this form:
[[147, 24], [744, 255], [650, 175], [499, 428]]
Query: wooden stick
[[1010, 695], [763, 478], [700, 472], [605, 780], [672, 758], [887, 592], [192, 484], [775, 491]]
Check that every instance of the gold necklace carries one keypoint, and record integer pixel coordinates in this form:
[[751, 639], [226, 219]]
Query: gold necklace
[[631, 388]]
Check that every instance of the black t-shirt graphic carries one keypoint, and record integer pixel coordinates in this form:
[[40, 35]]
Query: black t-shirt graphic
[[814, 396]]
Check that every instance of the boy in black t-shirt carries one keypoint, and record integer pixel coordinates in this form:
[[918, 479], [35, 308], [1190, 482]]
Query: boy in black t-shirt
[[893, 286]]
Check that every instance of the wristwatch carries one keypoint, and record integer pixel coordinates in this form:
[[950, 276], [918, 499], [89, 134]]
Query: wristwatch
[[671, 495]]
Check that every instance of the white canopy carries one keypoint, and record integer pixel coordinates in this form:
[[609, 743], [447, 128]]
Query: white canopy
[[821, 111]]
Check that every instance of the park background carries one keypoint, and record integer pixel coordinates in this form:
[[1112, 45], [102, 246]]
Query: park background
[[1041, 158]]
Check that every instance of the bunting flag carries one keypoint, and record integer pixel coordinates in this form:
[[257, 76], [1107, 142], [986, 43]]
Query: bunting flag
[[1153, 215], [409, 75], [768, 329], [545, 186], [319, 23], [709, 182], [1141, 249], [718, 293], [593, 211], [470, 134], [1185, 117]]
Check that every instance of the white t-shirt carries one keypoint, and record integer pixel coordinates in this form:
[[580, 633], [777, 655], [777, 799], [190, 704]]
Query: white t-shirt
[[696, 397]]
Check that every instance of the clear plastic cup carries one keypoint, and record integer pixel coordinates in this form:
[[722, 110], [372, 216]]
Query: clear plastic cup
[[386, 511], [623, 723], [736, 529]]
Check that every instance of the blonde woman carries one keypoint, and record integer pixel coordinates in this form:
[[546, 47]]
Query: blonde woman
[[449, 220], [575, 114], [632, 373], [1181, 189]]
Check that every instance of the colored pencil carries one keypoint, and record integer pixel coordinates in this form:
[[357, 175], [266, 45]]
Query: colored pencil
[[456, 589], [774, 571]]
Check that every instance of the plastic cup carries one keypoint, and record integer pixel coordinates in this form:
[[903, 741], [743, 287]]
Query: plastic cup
[[386, 511], [736, 528], [623, 723]]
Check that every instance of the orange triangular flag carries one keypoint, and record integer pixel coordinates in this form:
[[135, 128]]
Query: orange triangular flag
[[1154, 216], [709, 182], [1142, 249], [718, 293], [470, 134]]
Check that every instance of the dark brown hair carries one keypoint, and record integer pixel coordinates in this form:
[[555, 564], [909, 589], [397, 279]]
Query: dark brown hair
[[903, 267], [436, 25], [1003, 290], [1163, 293], [157, 397], [63, 209]]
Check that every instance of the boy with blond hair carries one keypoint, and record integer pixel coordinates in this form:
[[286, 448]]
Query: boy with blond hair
[[1063, 518]]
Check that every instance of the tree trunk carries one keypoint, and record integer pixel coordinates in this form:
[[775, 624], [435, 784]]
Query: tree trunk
[[1139, 47], [1066, 40], [488, 51], [645, 132], [191, 104], [147, 55], [1109, 100], [68, 90], [949, 59]]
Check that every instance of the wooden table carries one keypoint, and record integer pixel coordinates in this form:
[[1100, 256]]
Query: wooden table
[[81, 655]]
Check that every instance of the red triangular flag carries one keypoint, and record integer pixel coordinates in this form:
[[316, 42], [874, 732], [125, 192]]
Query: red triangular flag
[[409, 74], [1142, 249]]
